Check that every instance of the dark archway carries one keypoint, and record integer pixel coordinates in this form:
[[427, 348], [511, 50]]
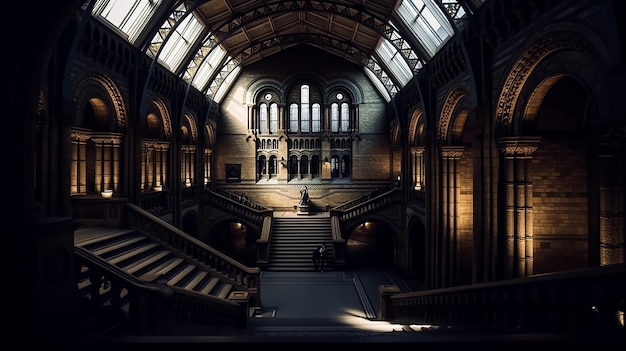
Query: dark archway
[[236, 240], [370, 246], [190, 225], [417, 251]]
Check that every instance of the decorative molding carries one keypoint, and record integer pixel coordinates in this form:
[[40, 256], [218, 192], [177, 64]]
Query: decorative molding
[[518, 146], [451, 102], [524, 66], [451, 151]]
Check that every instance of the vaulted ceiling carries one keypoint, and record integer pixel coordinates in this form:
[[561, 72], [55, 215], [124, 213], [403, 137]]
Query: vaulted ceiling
[[203, 41], [348, 29]]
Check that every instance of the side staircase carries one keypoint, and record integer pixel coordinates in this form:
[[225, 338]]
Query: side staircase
[[148, 260], [293, 240]]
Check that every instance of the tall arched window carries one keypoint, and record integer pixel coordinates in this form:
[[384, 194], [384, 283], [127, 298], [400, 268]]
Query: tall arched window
[[273, 117], [345, 117], [334, 117], [293, 118], [316, 118], [339, 114], [263, 118], [304, 105]]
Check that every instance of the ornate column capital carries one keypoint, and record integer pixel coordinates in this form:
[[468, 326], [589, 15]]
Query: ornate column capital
[[79, 135], [518, 146], [450, 151], [107, 139], [417, 150]]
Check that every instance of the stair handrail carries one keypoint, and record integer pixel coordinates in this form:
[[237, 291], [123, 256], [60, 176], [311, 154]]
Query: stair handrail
[[339, 243], [247, 278], [244, 209], [362, 208], [361, 199], [153, 307], [262, 246], [575, 300]]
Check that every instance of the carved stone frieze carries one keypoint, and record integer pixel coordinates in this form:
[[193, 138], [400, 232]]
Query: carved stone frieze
[[518, 146], [452, 151], [79, 135], [106, 139]]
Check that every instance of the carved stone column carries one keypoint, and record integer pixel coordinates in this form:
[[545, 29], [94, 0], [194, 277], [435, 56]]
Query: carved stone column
[[518, 225], [78, 183], [107, 161], [450, 193], [417, 160]]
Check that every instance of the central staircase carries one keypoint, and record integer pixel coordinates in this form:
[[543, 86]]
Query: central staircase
[[293, 240]]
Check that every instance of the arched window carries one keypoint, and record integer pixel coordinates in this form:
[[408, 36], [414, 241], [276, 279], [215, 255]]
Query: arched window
[[263, 118], [293, 118], [334, 117], [304, 105], [345, 117], [316, 118], [339, 114], [273, 118]]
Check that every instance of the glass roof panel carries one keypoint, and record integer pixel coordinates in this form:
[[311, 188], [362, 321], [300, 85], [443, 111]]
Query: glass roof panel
[[208, 67], [225, 85], [427, 23], [377, 83], [180, 42], [394, 62], [128, 16]]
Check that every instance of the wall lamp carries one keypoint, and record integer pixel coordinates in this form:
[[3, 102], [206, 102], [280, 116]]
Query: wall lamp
[[326, 161]]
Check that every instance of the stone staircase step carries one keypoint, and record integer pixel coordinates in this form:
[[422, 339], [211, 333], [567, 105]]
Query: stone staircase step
[[293, 239]]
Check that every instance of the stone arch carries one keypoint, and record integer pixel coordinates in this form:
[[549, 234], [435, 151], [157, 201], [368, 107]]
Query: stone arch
[[581, 68], [447, 112], [193, 129], [539, 49], [97, 85], [356, 94], [163, 111], [260, 85], [414, 129], [396, 135]]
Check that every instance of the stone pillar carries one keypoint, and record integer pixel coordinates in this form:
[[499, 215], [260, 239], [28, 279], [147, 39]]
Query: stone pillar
[[450, 193], [385, 312], [516, 152], [417, 160], [611, 209]]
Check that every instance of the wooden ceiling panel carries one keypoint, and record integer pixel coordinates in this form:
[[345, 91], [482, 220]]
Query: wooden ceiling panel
[[282, 21]]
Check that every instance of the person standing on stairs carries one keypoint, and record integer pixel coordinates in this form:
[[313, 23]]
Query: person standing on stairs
[[323, 254], [316, 258]]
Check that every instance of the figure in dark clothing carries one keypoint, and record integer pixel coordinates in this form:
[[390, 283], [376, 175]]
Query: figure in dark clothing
[[316, 258], [323, 255]]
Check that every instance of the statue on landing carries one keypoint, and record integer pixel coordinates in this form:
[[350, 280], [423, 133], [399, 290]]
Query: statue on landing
[[304, 196]]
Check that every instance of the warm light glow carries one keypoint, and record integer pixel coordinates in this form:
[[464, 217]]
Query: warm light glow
[[378, 326], [188, 184], [158, 188], [107, 194]]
